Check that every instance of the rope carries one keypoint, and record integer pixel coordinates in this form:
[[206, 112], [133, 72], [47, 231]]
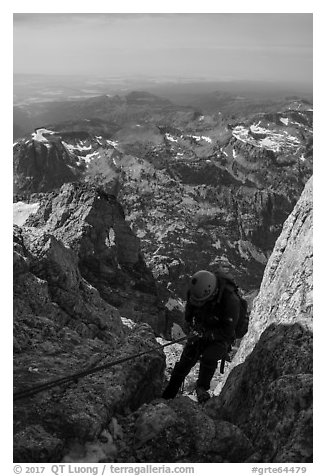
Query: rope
[[74, 377]]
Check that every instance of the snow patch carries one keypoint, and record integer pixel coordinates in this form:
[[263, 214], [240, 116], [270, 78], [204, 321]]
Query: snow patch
[[89, 157], [170, 138], [38, 134], [187, 242], [285, 120], [77, 147], [268, 143], [22, 210], [272, 140], [217, 245], [70, 147], [111, 237], [141, 233], [111, 142], [198, 138], [128, 322], [73, 148], [258, 130]]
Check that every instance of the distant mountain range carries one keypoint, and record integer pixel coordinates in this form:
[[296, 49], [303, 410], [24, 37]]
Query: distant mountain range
[[114, 109]]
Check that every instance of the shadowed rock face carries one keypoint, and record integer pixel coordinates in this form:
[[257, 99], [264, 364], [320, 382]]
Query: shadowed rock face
[[269, 396], [38, 168], [91, 223], [180, 431], [46, 424], [268, 392]]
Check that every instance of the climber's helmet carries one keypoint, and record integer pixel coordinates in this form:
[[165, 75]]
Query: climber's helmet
[[203, 287]]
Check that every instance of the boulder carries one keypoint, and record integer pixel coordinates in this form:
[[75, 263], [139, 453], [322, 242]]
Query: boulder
[[180, 430], [230, 442]]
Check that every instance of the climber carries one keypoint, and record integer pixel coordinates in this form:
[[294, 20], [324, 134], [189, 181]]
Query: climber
[[211, 314]]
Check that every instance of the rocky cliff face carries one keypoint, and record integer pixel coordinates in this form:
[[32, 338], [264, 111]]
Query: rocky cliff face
[[91, 224], [62, 323], [41, 165], [268, 392]]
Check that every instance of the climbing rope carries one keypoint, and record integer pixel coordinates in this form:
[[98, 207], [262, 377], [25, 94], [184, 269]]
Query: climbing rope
[[74, 377]]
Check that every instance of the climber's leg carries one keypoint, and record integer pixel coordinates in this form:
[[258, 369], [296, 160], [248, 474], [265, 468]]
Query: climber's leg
[[213, 352], [189, 357]]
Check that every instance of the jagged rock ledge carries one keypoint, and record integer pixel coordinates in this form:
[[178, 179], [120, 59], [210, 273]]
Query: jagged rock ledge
[[91, 223], [62, 323]]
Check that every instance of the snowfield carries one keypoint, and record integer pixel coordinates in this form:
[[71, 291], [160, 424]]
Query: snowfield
[[285, 120], [38, 134], [198, 138], [171, 138], [80, 146], [89, 157], [270, 140], [22, 210], [112, 142]]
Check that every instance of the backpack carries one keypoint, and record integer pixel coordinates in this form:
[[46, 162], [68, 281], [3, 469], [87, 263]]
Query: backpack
[[241, 327]]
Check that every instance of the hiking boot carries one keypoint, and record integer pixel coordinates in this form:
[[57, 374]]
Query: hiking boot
[[202, 395]]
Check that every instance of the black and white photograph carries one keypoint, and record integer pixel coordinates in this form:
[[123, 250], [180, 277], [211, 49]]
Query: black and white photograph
[[162, 240]]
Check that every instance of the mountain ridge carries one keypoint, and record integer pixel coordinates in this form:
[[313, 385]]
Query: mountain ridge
[[226, 185]]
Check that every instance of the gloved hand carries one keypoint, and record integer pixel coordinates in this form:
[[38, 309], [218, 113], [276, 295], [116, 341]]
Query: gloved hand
[[194, 336]]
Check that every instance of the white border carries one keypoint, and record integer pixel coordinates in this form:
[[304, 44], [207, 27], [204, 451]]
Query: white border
[[167, 6]]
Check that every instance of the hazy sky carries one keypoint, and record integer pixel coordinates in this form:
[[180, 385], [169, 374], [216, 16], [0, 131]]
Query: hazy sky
[[262, 46]]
